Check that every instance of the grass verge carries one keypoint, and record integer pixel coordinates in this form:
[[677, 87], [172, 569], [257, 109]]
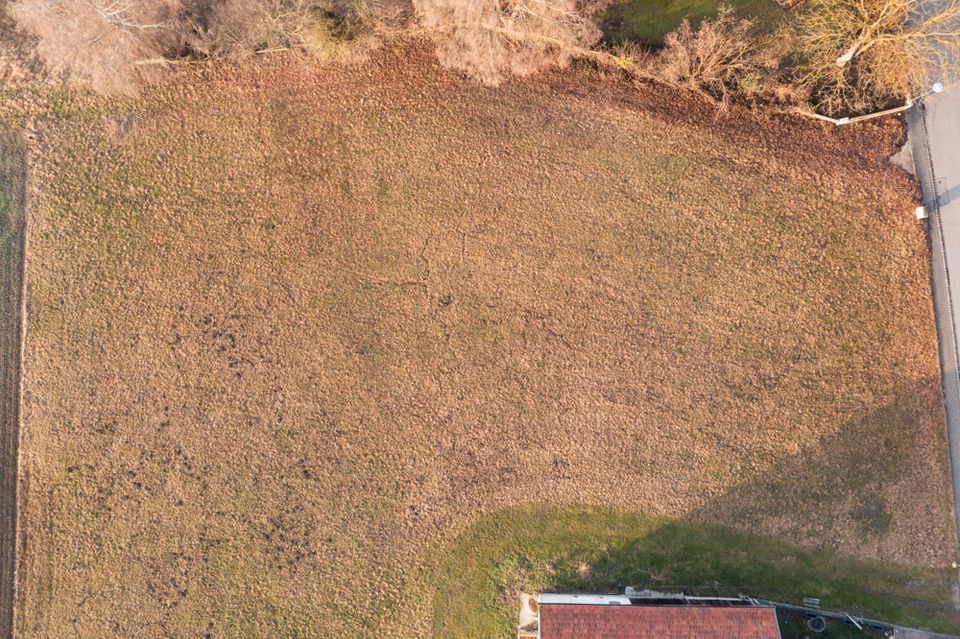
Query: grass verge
[[599, 550], [12, 182]]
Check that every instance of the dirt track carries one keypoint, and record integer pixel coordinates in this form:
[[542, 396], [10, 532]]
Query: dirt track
[[12, 170]]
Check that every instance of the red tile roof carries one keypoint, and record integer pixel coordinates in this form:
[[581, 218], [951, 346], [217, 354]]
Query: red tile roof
[[581, 621]]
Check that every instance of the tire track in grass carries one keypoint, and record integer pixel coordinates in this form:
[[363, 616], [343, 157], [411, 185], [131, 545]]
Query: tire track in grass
[[12, 225]]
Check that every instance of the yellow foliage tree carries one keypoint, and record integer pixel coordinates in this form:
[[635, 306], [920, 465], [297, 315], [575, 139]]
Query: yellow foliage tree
[[861, 54]]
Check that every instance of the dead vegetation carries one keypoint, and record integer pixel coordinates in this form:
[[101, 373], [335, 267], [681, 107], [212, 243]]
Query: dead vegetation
[[493, 39], [844, 56], [302, 326], [19, 62], [98, 41], [489, 41], [239, 28], [113, 45], [108, 43], [721, 57]]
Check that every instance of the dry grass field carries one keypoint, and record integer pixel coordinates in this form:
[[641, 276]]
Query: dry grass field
[[292, 330]]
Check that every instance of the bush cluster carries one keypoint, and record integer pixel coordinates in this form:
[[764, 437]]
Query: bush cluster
[[114, 44], [841, 56]]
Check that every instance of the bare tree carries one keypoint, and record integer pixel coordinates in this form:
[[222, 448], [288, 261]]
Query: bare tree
[[239, 28], [490, 39], [97, 40], [718, 57], [859, 54], [380, 15], [112, 44]]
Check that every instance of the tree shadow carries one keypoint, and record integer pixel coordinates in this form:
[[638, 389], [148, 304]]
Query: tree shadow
[[880, 483]]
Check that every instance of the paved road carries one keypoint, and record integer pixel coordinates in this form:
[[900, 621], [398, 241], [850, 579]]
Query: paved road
[[12, 182], [934, 129]]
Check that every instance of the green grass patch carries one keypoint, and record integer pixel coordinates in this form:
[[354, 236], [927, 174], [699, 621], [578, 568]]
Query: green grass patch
[[11, 226], [596, 550], [648, 21]]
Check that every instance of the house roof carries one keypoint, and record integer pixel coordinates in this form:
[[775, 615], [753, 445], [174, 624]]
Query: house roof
[[584, 621]]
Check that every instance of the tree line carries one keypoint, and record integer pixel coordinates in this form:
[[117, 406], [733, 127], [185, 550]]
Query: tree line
[[841, 56]]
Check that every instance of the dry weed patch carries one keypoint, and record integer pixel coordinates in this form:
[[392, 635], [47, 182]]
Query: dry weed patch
[[293, 329]]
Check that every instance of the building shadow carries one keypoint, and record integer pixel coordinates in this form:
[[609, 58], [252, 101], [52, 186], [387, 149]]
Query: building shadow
[[879, 485]]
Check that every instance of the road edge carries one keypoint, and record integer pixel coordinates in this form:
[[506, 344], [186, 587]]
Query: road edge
[[941, 292]]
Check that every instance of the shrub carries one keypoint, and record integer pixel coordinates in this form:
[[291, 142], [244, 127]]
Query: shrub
[[240, 28], [718, 58], [490, 39]]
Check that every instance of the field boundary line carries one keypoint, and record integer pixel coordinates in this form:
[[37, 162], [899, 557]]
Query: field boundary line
[[12, 306]]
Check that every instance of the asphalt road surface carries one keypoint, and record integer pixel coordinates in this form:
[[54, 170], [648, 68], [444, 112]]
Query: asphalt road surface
[[934, 129]]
